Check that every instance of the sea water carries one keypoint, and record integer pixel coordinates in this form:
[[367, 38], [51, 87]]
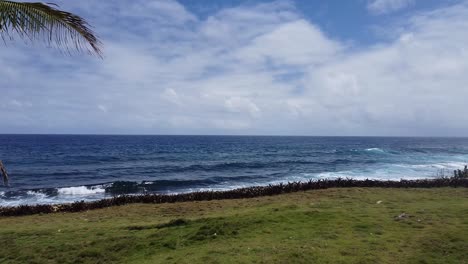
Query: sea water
[[67, 168]]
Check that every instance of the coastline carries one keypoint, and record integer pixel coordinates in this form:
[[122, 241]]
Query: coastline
[[459, 180]]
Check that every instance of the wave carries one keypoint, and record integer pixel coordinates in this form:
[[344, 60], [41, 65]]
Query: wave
[[375, 175], [28, 197], [365, 151], [51, 196], [80, 190], [179, 185], [438, 166], [376, 150], [396, 171]]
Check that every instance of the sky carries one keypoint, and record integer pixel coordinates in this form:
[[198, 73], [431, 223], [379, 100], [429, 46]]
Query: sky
[[245, 67]]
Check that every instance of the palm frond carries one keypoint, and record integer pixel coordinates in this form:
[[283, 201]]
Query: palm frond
[[4, 173], [39, 21]]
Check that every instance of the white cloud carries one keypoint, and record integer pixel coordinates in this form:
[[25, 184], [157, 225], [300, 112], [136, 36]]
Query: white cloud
[[240, 105], [387, 6], [171, 96], [295, 42], [257, 69]]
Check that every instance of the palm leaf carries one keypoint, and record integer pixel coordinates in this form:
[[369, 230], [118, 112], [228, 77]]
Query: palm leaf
[[4, 173], [44, 22]]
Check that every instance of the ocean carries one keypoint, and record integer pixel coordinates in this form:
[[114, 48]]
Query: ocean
[[48, 169]]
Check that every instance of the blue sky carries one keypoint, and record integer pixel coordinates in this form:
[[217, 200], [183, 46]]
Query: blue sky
[[349, 20], [357, 67]]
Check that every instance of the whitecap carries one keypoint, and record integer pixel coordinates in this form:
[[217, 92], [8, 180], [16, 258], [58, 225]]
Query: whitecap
[[375, 150], [80, 190], [32, 197], [36, 194]]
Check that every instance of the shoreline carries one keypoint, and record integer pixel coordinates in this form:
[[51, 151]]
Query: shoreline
[[241, 193]]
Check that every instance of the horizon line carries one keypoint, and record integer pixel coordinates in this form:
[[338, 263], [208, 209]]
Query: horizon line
[[221, 135]]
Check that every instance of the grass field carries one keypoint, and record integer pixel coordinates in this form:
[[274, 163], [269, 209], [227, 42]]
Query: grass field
[[349, 225]]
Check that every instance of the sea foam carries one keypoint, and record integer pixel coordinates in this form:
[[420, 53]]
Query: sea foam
[[80, 190]]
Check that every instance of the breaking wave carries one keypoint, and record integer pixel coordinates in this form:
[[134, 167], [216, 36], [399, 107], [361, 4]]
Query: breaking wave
[[80, 190]]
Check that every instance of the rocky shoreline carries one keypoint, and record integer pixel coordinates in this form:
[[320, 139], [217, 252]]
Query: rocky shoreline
[[459, 180]]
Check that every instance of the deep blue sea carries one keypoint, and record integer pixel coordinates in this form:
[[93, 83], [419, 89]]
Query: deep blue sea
[[66, 168]]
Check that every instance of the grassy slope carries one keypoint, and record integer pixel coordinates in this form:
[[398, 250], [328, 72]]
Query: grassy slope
[[322, 226]]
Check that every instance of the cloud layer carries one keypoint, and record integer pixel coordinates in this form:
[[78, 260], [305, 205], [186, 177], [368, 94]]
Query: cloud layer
[[250, 69]]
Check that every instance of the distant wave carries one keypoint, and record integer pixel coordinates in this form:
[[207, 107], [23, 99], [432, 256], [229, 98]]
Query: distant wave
[[364, 151], [378, 150], [442, 165]]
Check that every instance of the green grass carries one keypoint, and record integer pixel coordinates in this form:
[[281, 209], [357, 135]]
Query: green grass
[[322, 226]]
